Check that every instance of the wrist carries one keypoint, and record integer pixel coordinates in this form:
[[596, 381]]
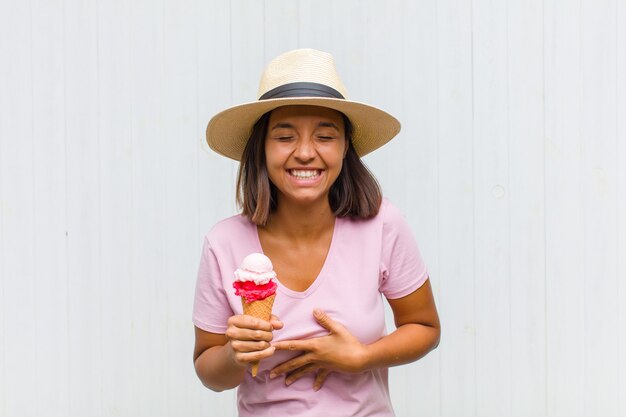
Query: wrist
[[365, 358]]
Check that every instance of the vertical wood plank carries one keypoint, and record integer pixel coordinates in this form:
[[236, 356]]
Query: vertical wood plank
[[599, 203], [181, 200], [280, 20], [148, 286], [456, 224], [382, 87], [565, 288], [420, 396], [247, 49], [491, 208], [216, 191], [115, 149], [527, 207], [315, 29], [49, 196], [621, 200], [4, 94], [83, 208], [348, 43], [17, 205], [3, 217]]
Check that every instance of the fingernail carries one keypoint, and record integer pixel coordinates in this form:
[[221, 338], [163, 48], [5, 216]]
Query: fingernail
[[288, 382], [272, 375], [316, 387]]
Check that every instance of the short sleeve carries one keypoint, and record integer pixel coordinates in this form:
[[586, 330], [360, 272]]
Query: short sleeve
[[211, 308], [402, 269]]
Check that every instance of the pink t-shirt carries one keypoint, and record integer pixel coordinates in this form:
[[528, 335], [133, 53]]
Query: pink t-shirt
[[366, 258]]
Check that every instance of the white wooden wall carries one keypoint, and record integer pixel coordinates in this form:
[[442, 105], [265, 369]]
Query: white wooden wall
[[511, 168]]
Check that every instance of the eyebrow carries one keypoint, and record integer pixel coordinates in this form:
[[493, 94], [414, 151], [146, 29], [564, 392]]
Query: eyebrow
[[328, 124], [280, 125]]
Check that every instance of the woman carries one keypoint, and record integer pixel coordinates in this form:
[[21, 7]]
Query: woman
[[314, 209]]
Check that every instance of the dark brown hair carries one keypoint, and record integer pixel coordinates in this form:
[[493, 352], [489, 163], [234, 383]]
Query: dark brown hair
[[355, 193]]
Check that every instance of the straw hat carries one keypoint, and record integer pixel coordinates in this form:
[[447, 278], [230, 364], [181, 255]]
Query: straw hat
[[300, 77]]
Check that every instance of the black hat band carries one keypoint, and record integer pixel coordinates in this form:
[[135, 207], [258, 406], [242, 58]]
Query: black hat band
[[302, 89]]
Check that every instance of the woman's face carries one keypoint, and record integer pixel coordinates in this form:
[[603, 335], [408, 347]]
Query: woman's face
[[304, 150]]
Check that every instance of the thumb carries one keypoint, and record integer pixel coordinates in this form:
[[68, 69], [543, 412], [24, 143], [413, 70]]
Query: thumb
[[276, 323], [326, 322]]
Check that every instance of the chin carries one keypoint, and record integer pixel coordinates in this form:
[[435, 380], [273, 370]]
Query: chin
[[306, 199]]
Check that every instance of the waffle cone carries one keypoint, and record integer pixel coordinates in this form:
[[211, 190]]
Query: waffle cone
[[261, 309]]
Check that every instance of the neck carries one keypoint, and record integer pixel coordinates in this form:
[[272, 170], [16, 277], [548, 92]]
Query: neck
[[301, 221]]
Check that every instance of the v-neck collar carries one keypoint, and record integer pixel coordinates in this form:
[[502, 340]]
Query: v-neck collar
[[320, 276]]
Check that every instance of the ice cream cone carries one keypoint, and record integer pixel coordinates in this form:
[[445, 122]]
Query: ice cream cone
[[261, 309]]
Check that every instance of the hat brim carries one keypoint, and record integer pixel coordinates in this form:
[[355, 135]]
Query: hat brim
[[229, 130]]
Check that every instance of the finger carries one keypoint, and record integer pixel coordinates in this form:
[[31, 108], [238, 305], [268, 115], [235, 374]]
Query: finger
[[320, 378], [276, 323], [247, 357], [244, 321], [326, 322], [247, 346], [291, 365], [298, 373], [234, 333], [294, 345]]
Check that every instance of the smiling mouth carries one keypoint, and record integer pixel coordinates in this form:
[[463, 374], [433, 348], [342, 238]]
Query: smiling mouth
[[305, 174]]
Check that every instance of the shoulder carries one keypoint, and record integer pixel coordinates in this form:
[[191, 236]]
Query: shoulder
[[229, 241], [388, 220], [230, 229], [387, 213], [391, 216]]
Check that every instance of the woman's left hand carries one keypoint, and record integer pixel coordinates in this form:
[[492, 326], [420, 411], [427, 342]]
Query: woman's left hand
[[338, 351]]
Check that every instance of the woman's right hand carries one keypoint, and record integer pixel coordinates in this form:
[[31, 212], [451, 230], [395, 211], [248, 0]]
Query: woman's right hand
[[249, 338], [221, 359]]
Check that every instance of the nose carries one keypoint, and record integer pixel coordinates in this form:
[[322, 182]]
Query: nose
[[305, 149]]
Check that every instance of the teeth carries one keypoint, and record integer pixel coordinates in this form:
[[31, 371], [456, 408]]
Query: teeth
[[304, 174]]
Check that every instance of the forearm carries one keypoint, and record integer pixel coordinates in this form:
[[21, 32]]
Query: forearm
[[218, 370], [406, 344]]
